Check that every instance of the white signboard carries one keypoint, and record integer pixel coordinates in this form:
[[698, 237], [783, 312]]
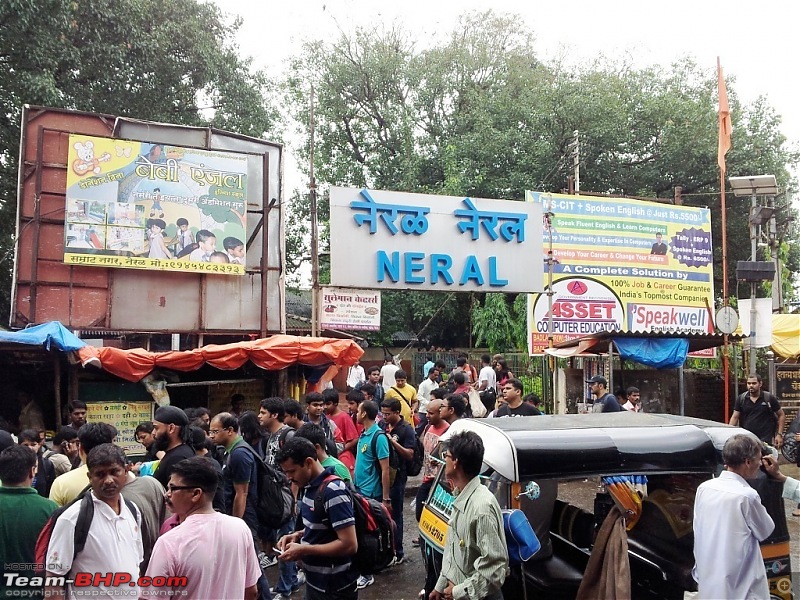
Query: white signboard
[[397, 240], [350, 309]]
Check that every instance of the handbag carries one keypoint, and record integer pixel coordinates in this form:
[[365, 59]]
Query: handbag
[[475, 404], [521, 540]]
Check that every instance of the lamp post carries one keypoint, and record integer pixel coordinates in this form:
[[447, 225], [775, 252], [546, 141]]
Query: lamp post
[[756, 185]]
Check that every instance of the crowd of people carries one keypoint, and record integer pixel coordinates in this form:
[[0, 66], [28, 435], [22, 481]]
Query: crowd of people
[[196, 488]]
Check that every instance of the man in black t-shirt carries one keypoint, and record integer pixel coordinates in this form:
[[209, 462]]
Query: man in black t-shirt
[[603, 400], [760, 412], [170, 426], [514, 406], [402, 437]]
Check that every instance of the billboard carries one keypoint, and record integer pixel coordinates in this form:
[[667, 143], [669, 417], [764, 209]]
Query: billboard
[[350, 309], [622, 265], [397, 240], [155, 206]]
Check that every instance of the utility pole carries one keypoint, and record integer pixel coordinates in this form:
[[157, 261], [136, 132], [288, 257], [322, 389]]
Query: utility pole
[[312, 194], [576, 161]]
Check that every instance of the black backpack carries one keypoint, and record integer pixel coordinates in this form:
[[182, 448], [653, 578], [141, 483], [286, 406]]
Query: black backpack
[[275, 500], [82, 525], [394, 458], [414, 466], [375, 529]]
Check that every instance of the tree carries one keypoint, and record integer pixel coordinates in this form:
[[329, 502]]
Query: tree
[[172, 61], [480, 115]]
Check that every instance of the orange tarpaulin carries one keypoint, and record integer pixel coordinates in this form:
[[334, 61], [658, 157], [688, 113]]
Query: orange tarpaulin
[[272, 354]]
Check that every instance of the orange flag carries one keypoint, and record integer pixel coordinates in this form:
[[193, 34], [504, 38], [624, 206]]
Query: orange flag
[[725, 126]]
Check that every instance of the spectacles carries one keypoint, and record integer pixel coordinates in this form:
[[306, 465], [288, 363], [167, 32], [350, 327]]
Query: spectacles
[[215, 431], [446, 454], [174, 488]]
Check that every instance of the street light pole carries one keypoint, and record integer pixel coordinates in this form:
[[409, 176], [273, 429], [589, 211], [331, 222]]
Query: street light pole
[[753, 313]]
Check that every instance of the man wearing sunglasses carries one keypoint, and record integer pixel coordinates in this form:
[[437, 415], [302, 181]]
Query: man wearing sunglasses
[[207, 543]]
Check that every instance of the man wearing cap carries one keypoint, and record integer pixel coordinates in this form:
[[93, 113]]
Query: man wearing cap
[[170, 426], [603, 400]]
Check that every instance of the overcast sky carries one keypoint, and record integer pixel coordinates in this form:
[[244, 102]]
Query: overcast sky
[[756, 41]]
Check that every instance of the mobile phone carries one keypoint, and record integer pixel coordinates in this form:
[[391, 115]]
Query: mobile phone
[[277, 550]]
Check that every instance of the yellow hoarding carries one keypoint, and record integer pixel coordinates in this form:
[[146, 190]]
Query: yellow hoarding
[[622, 265], [142, 205]]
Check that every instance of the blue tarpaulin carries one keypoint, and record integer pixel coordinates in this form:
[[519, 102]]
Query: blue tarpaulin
[[47, 335], [661, 353]]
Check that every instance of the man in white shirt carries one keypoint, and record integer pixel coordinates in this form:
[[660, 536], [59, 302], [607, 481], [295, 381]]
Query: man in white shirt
[[355, 375], [387, 373], [114, 543], [729, 522], [487, 378], [634, 403], [430, 383]]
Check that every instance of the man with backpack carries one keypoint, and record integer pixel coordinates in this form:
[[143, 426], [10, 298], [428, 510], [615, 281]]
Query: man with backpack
[[240, 482], [372, 473], [404, 392], [402, 438], [327, 541], [98, 536], [22, 514], [270, 416]]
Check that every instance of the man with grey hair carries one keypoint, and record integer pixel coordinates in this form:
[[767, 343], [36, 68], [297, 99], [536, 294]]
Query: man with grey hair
[[729, 522]]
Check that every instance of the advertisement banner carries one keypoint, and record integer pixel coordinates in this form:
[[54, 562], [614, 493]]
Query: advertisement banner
[[397, 240], [788, 384], [125, 416], [350, 309], [142, 205], [622, 265]]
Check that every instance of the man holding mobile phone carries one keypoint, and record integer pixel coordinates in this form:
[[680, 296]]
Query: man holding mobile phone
[[329, 536]]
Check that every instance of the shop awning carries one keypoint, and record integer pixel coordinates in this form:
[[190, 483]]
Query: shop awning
[[52, 335], [273, 353], [661, 350]]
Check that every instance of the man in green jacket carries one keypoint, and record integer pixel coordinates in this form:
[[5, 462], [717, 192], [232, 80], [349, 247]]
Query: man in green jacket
[[23, 513]]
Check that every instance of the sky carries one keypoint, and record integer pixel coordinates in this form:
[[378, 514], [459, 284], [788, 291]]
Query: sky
[[756, 41]]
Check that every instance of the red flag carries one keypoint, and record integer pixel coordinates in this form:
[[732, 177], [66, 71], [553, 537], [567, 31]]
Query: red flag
[[725, 126]]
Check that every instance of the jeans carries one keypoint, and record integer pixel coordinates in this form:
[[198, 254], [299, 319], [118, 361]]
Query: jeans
[[287, 568], [422, 497], [263, 582], [397, 494]]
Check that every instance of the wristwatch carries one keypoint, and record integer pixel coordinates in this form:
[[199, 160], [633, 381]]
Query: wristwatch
[[387, 499]]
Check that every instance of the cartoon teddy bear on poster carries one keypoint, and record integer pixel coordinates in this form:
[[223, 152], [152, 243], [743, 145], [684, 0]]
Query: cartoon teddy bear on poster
[[87, 162]]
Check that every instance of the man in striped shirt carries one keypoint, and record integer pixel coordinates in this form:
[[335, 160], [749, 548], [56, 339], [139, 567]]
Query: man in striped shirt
[[475, 562], [327, 541]]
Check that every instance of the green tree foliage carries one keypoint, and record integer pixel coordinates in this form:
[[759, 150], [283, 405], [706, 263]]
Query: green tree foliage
[[480, 114], [173, 61]]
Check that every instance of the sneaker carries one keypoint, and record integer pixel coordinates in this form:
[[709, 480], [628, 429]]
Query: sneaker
[[281, 597], [397, 560], [364, 581], [301, 579], [265, 561]]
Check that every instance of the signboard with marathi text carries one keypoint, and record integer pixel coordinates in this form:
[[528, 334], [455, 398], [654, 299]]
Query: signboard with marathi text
[[350, 309], [787, 383], [397, 240], [622, 265], [143, 205], [125, 416]]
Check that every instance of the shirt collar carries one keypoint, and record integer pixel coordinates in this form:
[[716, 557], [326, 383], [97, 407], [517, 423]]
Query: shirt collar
[[234, 443], [7, 489], [464, 495], [319, 478]]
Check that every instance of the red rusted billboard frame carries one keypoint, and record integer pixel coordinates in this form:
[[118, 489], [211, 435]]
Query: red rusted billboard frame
[[45, 288]]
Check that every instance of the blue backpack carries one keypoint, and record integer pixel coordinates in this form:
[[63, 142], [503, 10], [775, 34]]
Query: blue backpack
[[521, 540]]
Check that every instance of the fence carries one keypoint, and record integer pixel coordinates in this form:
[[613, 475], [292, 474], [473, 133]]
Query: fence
[[531, 370]]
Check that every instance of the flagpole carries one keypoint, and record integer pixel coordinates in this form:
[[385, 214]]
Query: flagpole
[[723, 208]]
